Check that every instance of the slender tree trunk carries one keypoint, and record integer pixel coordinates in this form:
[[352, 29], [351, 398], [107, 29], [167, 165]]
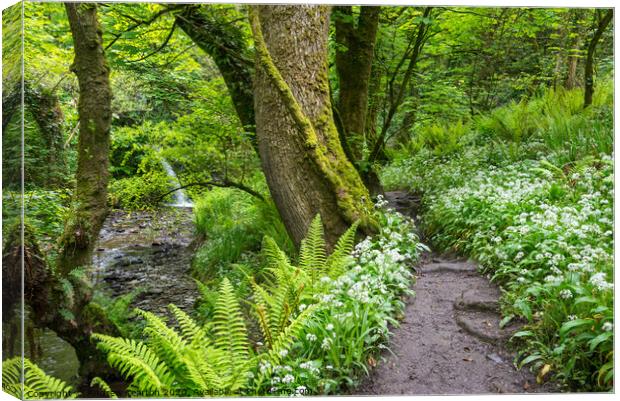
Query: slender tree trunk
[[354, 55], [94, 108], [574, 48], [378, 150], [589, 69], [301, 154], [229, 50], [571, 74]]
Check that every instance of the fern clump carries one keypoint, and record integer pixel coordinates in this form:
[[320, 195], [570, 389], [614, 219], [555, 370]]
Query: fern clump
[[36, 384], [194, 359], [293, 305]]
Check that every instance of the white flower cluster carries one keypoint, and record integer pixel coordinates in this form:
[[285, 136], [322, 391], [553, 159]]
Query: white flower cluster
[[379, 273]]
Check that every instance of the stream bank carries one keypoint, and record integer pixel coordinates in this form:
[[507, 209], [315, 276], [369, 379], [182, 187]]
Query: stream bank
[[150, 251]]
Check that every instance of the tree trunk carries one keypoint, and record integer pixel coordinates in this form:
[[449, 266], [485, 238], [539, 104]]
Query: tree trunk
[[70, 314], [354, 55], [571, 75], [378, 151], [589, 70], [303, 160], [94, 108], [45, 108], [228, 49]]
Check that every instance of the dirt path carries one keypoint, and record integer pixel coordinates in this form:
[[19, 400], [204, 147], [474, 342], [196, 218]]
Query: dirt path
[[449, 341]]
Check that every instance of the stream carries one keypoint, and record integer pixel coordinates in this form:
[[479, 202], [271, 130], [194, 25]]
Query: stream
[[145, 251]]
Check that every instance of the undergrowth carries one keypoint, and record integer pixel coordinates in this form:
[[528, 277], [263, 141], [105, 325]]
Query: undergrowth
[[528, 192], [322, 320], [232, 225]]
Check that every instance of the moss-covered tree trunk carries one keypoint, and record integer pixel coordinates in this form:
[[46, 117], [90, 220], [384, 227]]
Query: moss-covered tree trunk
[[94, 108], [354, 55], [57, 301], [301, 154], [589, 68]]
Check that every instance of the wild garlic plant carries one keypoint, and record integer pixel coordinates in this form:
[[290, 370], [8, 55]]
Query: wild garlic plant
[[353, 315], [541, 225]]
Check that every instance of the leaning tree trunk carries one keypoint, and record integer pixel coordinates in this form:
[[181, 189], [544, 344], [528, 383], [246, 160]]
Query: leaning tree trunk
[[303, 160], [69, 313], [589, 70], [94, 108]]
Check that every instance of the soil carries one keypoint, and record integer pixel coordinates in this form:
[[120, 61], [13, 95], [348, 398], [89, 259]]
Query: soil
[[449, 341]]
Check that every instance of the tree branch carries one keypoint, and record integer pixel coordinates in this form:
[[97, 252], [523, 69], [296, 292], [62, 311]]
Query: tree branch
[[226, 183], [139, 23], [164, 43]]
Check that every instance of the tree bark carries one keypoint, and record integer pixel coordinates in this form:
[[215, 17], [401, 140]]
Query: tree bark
[[44, 107], [571, 74], [94, 108], [301, 154], [354, 55], [589, 68], [71, 315]]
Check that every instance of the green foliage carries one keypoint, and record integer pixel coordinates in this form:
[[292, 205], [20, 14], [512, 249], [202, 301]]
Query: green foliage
[[36, 384], [233, 224], [442, 140], [353, 311], [194, 359], [104, 387], [118, 312], [291, 312], [140, 192], [537, 215], [132, 152], [45, 211]]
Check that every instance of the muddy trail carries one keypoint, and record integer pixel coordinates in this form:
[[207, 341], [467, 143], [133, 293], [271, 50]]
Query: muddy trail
[[449, 341]]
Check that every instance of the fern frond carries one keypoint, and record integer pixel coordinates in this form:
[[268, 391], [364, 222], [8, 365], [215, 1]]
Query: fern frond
[[190, 330], [11, 377], [290, 334], [200, 371], [312, 256], [230, 332], [166, 342], [134, 360], [35, 380], [105, 388], [336, 262], [262, 302], [12, 370], [274, 256]]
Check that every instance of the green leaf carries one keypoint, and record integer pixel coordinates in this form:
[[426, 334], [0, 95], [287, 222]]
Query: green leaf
[[574, 324], [599, 339]]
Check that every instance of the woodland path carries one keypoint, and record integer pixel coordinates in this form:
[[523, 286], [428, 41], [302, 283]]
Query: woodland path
[[449, 341]]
